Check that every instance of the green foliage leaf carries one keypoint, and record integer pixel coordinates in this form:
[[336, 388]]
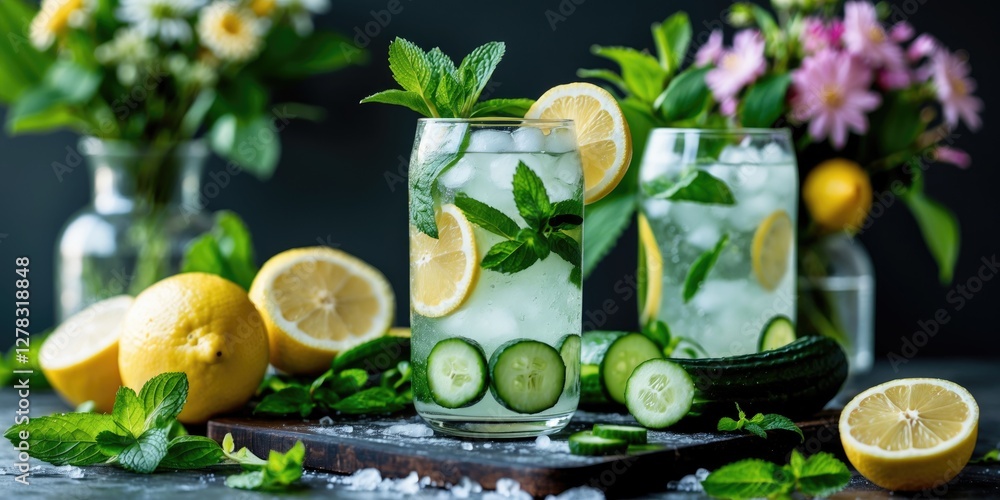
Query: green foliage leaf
[[659, 332], [566, 214], [138, 454], [475, 72], [565, 247], [755, 429], [686, 97], [509, 257], [765, 101], [773, 422], [285, 402], [409, 66], [696, 186], [502, 107], [423, 180], [606, 221], [191, 452], [280, 471], [989, 457], [163, 398], [604, 74], [486, 216], [672, 37], [898, 122], [316, 53], [727, 424], [398, 97], [226, 251], [349, 381], [74, 83], [128, 412], [747, 479], [23, 65], [64, 438], [701, 267], [250, 143], [530, 196], [535, 241], [372, 400], [641, 72], [939, 227], [820, 475], [244, 456]]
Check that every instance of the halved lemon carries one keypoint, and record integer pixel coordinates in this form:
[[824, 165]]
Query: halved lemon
[[443, 271], [910, 434], [770, 248], [602, 133], [650, 271], [317, 302], [80, 358]]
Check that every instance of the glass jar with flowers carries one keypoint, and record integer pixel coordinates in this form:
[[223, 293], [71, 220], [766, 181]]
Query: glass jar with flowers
[[871, 106], [153, 86]]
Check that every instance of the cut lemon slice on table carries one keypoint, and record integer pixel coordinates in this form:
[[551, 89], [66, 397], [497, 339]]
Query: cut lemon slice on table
[[317, 302], [770, 248], [443, 271], [602, 133], [910, 434], [651, 272], [80, 357]]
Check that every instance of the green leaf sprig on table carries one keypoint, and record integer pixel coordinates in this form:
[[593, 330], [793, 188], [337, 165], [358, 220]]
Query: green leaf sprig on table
[[434, 87], [759, 424], [142, 434], [989, 457], [546, 232], [820, 475], [371, 378], [278, 472]]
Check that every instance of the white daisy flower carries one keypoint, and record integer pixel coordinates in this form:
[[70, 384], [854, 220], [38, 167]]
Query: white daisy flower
[[231, 32], [55, 17], [165, 19], [128, 46], [301, 11]]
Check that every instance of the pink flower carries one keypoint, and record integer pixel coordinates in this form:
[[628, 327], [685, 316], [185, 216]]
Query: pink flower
[[864, 36], [954, 89], [832, 91], [817, 35], [893, 78], [738, 66], [901, 32], [710, 52], [956, 157], [922, 47]]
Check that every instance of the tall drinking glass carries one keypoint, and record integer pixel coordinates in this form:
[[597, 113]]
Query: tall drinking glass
[[495, 293], [717, 233]]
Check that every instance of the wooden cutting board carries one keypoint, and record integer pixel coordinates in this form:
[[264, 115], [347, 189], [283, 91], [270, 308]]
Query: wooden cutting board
[[396, 446]]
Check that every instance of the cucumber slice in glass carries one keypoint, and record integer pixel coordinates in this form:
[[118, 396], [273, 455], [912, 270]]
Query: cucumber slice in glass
[[659, 393], [586, 443], [569, 350], [627, 433], [456, 373], [624, 354], [527, 376], [778, 332]]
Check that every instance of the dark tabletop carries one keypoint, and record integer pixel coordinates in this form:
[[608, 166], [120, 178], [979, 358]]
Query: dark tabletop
[[980, 377]]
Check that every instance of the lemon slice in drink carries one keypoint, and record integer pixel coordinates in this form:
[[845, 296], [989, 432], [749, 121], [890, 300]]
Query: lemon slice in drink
[[651, 262], [80, 358], [770, 248], [443, 271], [602, 133], [317, 302], [910, 434]]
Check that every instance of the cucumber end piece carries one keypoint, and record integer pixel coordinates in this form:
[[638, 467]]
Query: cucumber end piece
[[586, 443]]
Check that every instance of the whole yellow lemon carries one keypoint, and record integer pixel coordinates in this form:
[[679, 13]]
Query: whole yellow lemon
[[838, 195], [204, 326]]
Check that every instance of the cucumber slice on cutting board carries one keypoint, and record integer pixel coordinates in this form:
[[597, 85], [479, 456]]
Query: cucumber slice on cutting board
[[527, 376], [586, 443], [456, 373], [629, 434]]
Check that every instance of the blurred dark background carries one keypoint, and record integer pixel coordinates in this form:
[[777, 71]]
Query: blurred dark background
[[337, 183]]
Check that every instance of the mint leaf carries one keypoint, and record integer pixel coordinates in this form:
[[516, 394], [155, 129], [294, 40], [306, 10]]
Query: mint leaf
[[422, 214], [659, 332], [286, 401], [503, 107], [750, 478], [764, 102], [641, 72], [530, 196], [325, 397], [566, 214], [163, 398], [672, 38], [701, 267], [373, 400], [142, 454], [988, 458], [686, 97], [475, 72], [509, 257], [244, 456], [727, 424], [820, 475], [64, 438], [535, 241], [280, 471], [486, 216], [773, 422], [409, 65], [696, 186], [406, 98], [755, 429], [191, 452], [349, 381], [565, 247], [128, 412], [575, 277]]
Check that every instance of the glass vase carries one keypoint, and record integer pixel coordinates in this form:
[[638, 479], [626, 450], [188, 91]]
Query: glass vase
[[144, 211], [837, 296]]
